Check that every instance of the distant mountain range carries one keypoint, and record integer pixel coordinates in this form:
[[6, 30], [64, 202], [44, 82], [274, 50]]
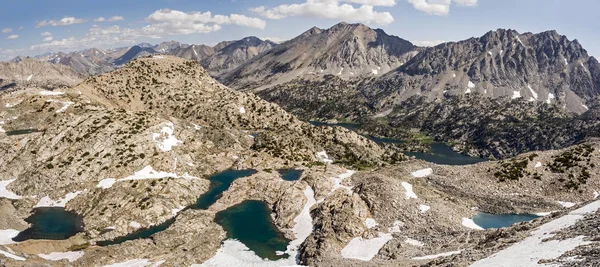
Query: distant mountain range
[[378, 70]]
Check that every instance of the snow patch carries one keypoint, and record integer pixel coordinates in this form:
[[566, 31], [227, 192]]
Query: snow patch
[[5, 193], [51, 93], [422, 173], [148, 173], [424, 208], [550, 98], [7, 235], [242, 110], [538, 165], [304, 223], [469, 223], [453, 75], [9, 105], [12, 256], [340, 73], [337, 181], [409, 190], [414, 242], [165, 140], [566, 204], [370, 223], [136, 263], [235, 253], [532, 249], [535, 95], [375, 72], [29, 77], [566, 61], [66, 105], [516, 94], [396, 227], [71, 256], [61, 202], [323, 157], [431, 257], [490, 52], [135, 224], [586, 107], [106, 183], [158, 57], [365, 249]]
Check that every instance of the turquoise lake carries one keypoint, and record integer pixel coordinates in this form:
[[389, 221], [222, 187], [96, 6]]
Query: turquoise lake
[[488, 221], [290, 174]]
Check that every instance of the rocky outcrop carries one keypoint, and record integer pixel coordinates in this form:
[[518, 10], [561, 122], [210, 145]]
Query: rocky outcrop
[[234, 54], [346, 50], [33, 73]]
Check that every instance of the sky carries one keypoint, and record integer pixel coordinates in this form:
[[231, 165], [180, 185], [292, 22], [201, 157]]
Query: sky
[[33, 27]]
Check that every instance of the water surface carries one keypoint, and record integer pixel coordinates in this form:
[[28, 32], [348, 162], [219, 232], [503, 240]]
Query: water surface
[[219, 183], [290, 174], [250, 223], [51, 224], [21, 132], [488, 221]]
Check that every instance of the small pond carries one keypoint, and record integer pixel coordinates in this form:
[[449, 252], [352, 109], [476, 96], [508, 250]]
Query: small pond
[[250, 223], [21, 132], [290, 174], [51, 224], [488, 221]]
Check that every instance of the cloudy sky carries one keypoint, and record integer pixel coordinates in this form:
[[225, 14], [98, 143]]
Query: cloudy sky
[[31, 27]]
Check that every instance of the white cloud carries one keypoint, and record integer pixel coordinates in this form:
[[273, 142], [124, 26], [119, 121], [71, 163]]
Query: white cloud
[[198, 22], [7, 30], [46, 34], [374, 2], [62, 22], [48, 39], [330, 9], [116, 18], [111, 19], [439, 7], [428, 43], [14, 36]]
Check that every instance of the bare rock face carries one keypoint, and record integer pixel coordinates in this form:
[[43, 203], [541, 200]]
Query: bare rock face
[[33, 73], [544, 67], [234, 54], [346, 50]]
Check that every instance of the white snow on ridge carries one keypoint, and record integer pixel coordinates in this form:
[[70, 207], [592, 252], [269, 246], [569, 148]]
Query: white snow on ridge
[[470, 85], [424, 208], [516, 94], [12, 256], [535, 95], [337, 181], [469, 223], [375, 72], [370, 223], [550, 98], [106, 183], [365, 249], [136, 263], [532, 249], [5, 193], [323, 157], [242, 110], [566, 204], [538, 165], [165, 140], [7, 235], [422, 173], [446, 254], [51, 93], [71, 256], [414, 242], [304, 223], [61, 202], [409, 190]]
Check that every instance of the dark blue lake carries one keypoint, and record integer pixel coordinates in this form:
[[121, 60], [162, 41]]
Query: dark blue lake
[[488, 221], [219, 183], [51, 224], [250, 223], [290, 174]]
